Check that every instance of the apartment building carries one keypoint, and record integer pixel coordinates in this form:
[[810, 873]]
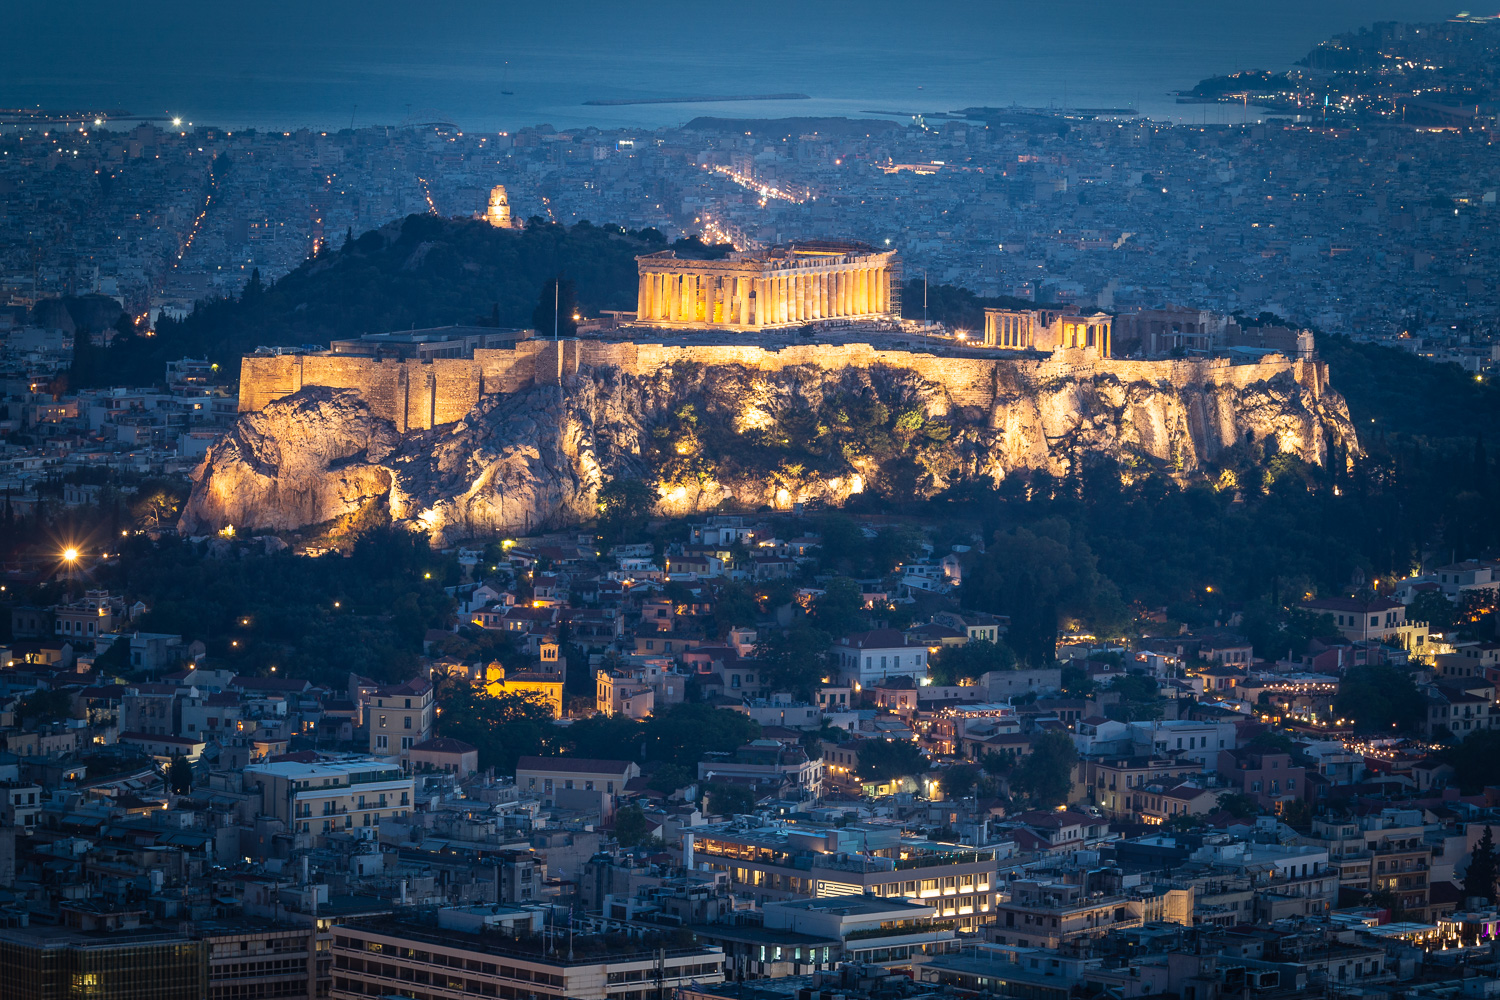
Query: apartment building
[[770, 766], [452, 960], [400, 717], [893, 933], [1117, 785], [777, 863], [314, 799], [576, 782], [1041, 913], [1384, 853]]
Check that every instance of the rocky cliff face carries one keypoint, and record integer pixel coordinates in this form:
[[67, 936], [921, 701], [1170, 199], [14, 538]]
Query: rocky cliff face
[[536, 458]]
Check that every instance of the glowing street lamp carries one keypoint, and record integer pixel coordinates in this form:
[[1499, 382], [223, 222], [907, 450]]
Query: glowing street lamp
[[70, 555]]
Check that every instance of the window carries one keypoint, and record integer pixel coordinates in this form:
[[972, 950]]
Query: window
[[382, 722], [407, 723]]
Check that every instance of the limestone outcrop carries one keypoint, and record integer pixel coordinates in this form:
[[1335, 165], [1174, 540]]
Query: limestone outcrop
[[535, 458]]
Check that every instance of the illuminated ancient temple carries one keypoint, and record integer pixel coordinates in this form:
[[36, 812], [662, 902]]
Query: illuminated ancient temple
[[1048, 330], [784, 286]]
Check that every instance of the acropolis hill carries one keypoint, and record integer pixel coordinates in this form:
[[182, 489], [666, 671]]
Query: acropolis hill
[[511, 439]]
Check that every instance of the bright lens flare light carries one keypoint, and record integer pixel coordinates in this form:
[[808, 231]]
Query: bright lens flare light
[[71, 555]]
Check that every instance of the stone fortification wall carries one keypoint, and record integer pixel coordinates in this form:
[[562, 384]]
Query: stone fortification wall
[[418, 395]]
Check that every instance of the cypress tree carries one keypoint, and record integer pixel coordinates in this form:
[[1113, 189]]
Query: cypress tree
[[1479, 877]]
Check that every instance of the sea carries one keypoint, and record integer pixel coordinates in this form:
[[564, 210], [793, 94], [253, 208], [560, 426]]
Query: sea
[[488, 65]]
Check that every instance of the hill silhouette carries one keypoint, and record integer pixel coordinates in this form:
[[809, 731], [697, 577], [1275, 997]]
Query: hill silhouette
[[420, 271]]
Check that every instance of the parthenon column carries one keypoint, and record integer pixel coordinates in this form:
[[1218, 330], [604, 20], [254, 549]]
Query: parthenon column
[[844, 309], [822, 286]]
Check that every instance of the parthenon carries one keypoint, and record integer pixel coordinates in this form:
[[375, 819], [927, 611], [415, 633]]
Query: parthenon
[[783, 286]]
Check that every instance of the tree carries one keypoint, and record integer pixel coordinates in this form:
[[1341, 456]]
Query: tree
[[1479, 877], [734, 606], [180, 776], [1036, 574], [45, 706], [504, 728], [606, 737], [631, 826], [624, 505], [685, 733], [998, 762], [839, 610], [1140, 699], [157, 510], [1076, 682], [729, 800], [1379, 698], [1046, 774], [1434, 609], [670, 777], [795, 660], [1297, 815], [1237, 805], [970, 661], [883, 760], [1475, 761], [956, 782]]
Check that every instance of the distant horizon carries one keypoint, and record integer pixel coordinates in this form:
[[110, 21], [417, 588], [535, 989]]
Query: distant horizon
[[491, 68]]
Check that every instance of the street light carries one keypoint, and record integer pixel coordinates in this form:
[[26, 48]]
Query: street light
[[70, 555]]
